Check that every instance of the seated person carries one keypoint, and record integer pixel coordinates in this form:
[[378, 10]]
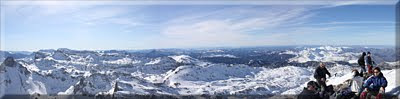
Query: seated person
[[356, 84], [374, 86], [310, 92]]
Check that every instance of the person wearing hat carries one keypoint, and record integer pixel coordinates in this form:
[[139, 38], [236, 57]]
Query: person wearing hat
[[310, 92], [361, 62]]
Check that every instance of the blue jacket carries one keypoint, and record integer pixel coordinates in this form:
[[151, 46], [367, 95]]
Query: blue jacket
[[375, 82]]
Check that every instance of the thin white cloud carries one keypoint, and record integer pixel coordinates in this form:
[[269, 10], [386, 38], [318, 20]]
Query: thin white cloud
[[356, 22], [84, 12], [232, 31], [105, 15], [230, 26], [361, 2], [332, 3]]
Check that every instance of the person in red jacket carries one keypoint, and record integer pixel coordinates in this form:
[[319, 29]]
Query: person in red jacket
[[370, 63]]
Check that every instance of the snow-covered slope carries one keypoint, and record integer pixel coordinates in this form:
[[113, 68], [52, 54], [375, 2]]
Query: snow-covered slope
[[17, 79], [68, 72], [324, 54]]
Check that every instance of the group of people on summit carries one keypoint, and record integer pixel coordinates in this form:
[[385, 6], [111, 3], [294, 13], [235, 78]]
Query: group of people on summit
[[367, 83]]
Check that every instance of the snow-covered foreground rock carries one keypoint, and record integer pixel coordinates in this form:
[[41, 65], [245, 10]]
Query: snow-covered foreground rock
[[69, 72]]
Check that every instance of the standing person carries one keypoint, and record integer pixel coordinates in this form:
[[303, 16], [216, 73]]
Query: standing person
[[320, 75], [369, 63], [375, 85], [361, 62], [310, 92]]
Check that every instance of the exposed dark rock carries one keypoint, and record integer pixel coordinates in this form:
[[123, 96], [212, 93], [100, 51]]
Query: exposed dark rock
[[9, 62], [39, 55]]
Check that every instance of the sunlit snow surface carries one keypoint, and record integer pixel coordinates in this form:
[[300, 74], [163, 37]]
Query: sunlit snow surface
[[68, 72]]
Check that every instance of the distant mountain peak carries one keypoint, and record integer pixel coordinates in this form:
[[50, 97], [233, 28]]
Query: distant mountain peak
[[9, 61]]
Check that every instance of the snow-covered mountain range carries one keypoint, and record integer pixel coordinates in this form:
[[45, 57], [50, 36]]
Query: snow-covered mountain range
[[217, 71]]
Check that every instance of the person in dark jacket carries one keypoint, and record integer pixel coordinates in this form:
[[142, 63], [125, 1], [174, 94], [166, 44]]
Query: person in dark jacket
[[370, 63], [361, 62], [320, 75], [374, 85], [310, 92]]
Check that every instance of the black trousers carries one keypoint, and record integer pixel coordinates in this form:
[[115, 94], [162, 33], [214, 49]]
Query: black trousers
[[322, 84]]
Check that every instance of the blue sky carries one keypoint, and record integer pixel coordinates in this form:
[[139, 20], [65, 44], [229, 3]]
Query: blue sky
[[34, 25]]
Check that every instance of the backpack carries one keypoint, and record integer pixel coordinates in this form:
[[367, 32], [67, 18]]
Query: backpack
[[345, 94]]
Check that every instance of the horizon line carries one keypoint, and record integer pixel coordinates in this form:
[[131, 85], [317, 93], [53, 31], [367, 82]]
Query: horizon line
[[188, 48]]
